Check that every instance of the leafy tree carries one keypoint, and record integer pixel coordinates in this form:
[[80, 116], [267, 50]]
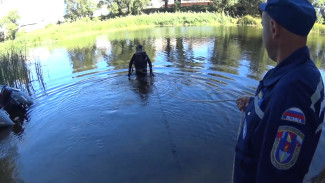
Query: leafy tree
[[250, 7], [320, 9], [125, 7], [77, 9], [10, 24], [139, 5], [221, 5], [177, 4]]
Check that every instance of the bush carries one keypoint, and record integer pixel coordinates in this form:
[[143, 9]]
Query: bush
[[318, 28], [249, 21]]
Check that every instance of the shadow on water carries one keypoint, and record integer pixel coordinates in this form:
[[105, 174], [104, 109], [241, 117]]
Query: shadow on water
[[142, 85], [7, 153]]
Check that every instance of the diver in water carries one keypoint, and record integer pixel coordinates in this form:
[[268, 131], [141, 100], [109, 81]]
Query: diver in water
[[140, 60]]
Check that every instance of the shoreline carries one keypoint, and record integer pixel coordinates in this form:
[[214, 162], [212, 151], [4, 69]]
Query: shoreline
[[54, 33]]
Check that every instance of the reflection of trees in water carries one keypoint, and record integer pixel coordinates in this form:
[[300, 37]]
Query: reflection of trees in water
[[83, 59], [123, 50], [226, 51], [252, 49], [8, 154], [316, 44], [227, 47], [121, 54], [7, 169]]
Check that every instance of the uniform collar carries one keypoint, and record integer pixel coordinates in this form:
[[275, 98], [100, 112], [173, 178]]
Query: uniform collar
[[296, 58]]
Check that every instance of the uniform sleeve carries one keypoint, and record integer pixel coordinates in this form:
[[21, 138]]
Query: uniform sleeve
[[131, 62], [289, 134], [149, 62]]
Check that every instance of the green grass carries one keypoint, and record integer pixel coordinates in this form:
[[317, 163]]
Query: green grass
[[318, 29], [13, 68], [249, 21], [86, 27]]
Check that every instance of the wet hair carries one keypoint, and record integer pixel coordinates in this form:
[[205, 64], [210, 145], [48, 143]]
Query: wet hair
[[139, 47]]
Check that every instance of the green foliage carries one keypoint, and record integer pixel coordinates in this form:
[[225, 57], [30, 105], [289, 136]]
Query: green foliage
[[318, 28], [320, 18], [11, 17], [249, 7], [13, 67], [11, 30], [249, 21], [320, 8], [125, 7], [10, 23], [86, 27], [139, 5], [221, 5], [77, 9], [177, 5]]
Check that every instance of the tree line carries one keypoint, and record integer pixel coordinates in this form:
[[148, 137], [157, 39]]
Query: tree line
[[79, 9]]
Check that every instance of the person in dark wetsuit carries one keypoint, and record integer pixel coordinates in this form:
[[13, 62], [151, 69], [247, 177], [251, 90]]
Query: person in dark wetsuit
[[140, 60]]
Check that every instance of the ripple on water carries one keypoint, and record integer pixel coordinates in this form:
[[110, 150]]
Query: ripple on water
[[106, 116]]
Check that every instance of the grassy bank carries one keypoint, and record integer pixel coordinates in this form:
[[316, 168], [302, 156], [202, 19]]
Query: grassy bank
[[86, 27], [53, 33]]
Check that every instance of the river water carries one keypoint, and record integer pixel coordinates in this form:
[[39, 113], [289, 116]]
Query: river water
[[90, 123]]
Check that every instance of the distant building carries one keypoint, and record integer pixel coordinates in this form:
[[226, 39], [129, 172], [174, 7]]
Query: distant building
[[161, 3], [196, 2]]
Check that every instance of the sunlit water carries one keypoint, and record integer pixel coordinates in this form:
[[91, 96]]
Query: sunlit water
[[90, 123]]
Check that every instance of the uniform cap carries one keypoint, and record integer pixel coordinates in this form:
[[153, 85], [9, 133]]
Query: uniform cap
[[297, 16]]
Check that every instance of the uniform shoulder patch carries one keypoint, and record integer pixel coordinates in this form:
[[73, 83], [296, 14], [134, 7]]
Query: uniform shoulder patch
[[295, 115], [286, 147]]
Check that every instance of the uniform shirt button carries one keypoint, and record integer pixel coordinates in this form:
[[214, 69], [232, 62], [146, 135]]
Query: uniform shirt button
[[249, 113]]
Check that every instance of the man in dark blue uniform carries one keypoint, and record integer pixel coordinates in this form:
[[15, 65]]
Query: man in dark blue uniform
[[140, 60], [283, 121]]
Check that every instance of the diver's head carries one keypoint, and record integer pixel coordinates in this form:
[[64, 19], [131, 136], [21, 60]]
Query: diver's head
[[139, 49]]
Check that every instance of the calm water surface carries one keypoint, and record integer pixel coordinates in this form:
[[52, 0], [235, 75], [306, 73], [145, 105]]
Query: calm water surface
[[90, 123]]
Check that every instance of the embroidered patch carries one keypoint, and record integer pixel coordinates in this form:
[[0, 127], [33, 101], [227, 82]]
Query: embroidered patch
[[286, 147], [294, 115]]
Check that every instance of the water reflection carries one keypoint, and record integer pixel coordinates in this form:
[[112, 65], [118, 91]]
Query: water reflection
[[87, 107], [83, 59], [8, 152], [214, 48]]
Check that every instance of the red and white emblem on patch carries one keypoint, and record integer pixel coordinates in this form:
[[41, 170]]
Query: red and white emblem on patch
[[286, 147]]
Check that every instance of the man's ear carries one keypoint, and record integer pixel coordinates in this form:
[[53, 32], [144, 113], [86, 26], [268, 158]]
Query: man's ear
[[275, 29]]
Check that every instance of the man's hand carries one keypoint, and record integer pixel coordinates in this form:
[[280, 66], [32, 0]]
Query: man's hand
[[151, 74], [242, 103]]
